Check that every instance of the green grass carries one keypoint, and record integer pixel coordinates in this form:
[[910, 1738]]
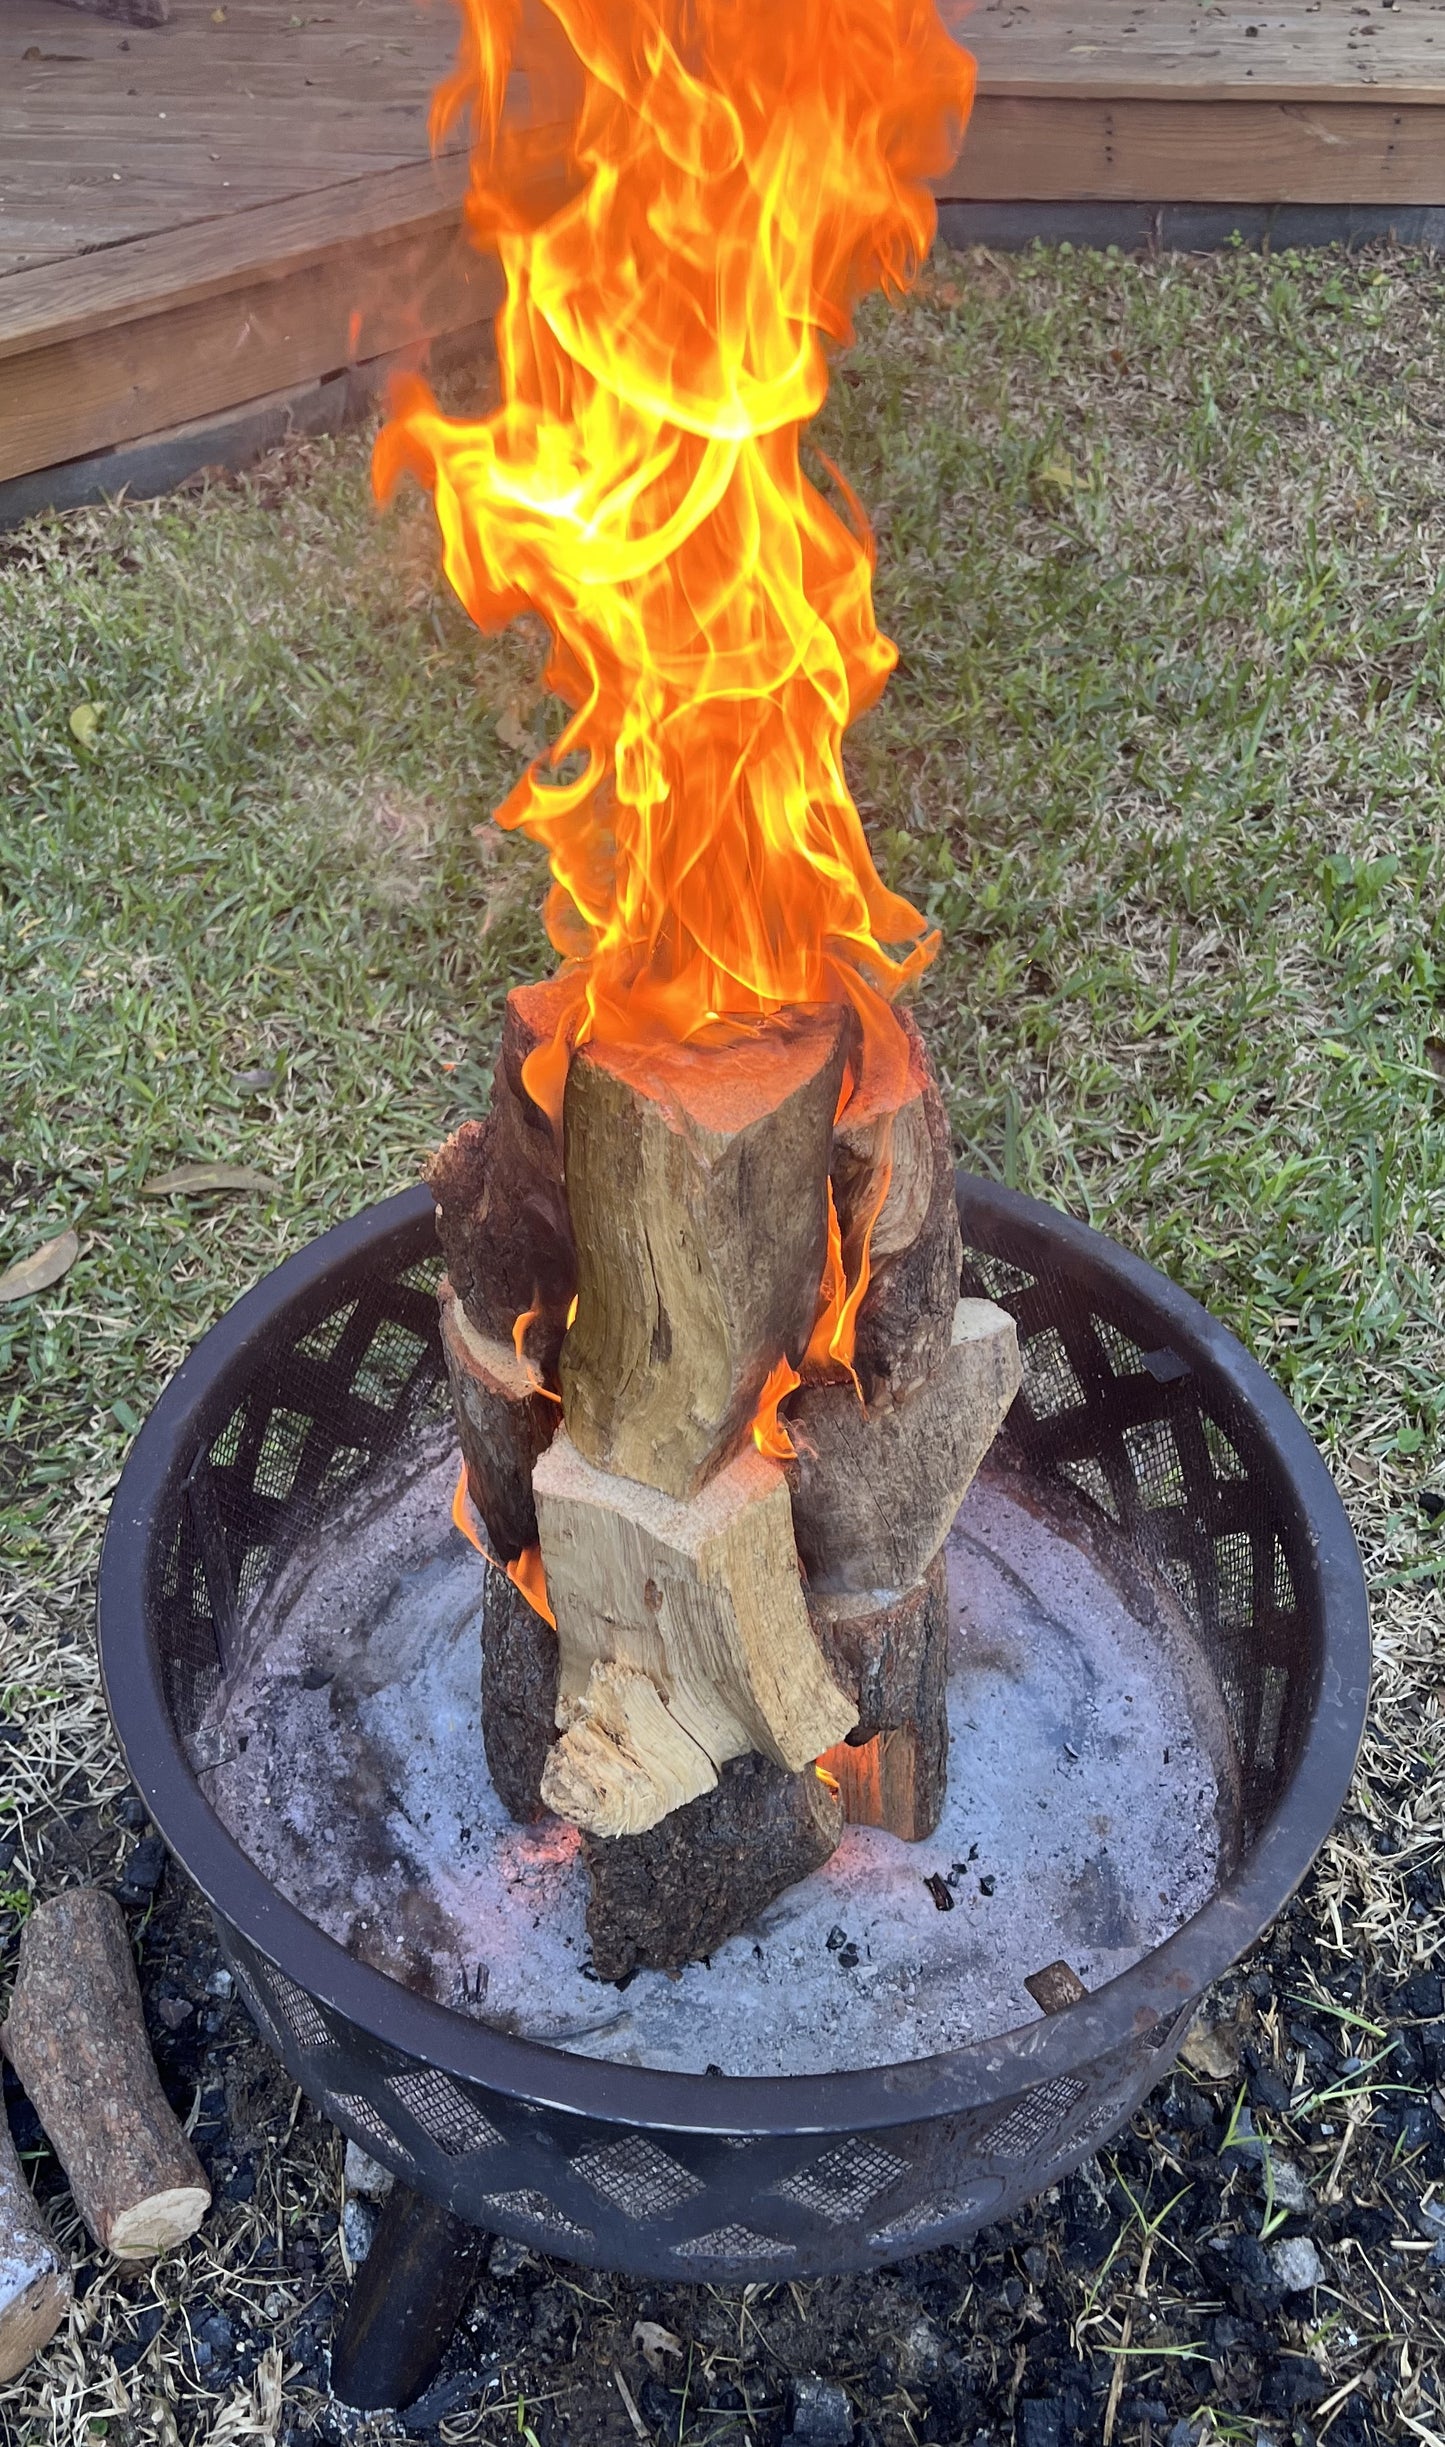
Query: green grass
[[1161, 545]]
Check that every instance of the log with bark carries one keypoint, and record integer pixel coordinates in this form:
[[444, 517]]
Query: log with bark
[[697, 1185], [875, 1488], [519, 1695], [35, 2290], [502, 1217], [76, 2037], [670, 1896], [892, 1660], [505, 1419], [916, 1250], [683, 1637]]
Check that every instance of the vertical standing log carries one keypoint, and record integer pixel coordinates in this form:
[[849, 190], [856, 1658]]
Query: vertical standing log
[[504, 1421], [502, 1216], [697, 1183], [892, 1659], [916, 1250], [519, 1695]]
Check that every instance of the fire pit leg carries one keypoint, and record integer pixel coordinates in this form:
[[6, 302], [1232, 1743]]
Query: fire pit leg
[[405, 2303]]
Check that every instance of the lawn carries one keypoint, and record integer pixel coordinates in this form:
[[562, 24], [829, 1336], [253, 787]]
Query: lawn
[[1161, 545]]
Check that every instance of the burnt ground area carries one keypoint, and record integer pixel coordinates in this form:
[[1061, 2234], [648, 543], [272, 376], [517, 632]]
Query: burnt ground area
[[1261, 2254]]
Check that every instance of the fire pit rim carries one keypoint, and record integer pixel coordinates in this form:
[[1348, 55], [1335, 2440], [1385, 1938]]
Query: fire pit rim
[[191, 1410]]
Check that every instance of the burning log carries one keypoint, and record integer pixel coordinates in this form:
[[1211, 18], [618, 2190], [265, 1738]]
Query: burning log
[[696, 1178], [905, 1317], [505, 1419], [702, 1600], [519, 1695], [673, 1894], [892, 1660], [875, 1489], [35, 2288], [76, 2037], [501, 1214]]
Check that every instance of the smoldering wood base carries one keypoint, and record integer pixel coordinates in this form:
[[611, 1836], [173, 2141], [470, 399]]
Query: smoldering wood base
[[672, 1895], [892, 1660], [519, 1695]]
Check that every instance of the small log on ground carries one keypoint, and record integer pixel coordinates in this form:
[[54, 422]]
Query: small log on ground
[[76, 2037], [501, 1213], [35, 2287], [875, 1490], [702, 1597], [905, 1317], [696, 1178], [519, 1695], [503, 1424], [672, 1895]]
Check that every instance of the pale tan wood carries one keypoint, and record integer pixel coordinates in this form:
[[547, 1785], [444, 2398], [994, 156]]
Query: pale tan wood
[[704, 1598], [76, 2037], [623, 1763], [875, 1490], [1204, 152], [35, 2290], [697, 1183]]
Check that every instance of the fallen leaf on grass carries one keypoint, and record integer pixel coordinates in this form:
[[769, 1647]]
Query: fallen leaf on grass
[[656, 2342], [43, 1267], [201, 1177], [1057, 471], [85, 721]]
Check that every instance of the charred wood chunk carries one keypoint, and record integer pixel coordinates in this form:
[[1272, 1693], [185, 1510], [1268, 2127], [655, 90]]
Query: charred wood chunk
[[519, 1695], [76, 2037], [683, 1634], [875, 1489], [34, 2281], [501, 1211], [672, 1895], [503, 1423], [905, 1317], [697, 1181]]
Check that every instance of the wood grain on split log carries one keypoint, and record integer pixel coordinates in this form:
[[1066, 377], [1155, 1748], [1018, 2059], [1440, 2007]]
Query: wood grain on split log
[[672, 1895], [623, 1763], [501, 1212], [503, 1423], [35, 2290], [875, 1490], [905, 1317], [702, 1596], [697, 1181], [896, 1782], [519, 1695], [76, 2037]]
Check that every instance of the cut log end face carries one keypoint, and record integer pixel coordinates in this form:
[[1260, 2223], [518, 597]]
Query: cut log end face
[[160, 2223], [703, 1600], [696, 1179]]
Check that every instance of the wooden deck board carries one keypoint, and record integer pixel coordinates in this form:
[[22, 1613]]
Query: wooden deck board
[[196, 216]]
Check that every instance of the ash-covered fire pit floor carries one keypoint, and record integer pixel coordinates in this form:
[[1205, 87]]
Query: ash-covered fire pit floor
[[1090, 1805]]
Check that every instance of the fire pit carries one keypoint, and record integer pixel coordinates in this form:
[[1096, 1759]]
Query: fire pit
[[1144, 1436]]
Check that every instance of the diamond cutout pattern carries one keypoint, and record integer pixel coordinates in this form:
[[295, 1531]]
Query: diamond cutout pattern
[[1051, 1382], [1154, 1459], [1035, 2120], [535, 2210], [734, 2243], [349, 2107], [841, 2184], [446, 2115], [1092, 1480], [637, 2177], [298, 2013]]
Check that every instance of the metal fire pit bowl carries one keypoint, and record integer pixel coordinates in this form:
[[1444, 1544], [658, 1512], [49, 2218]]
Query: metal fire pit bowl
[[1132, 1393]]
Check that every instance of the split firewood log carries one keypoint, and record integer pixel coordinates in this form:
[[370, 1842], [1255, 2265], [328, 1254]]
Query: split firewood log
[[905, 1317], [672, 1895], [35, 2291], [697, 1184], [501, 1213], [702, 1600], [892, 1660], [875, 1489], [519, 1695], [504, 1420], [76, 2037]]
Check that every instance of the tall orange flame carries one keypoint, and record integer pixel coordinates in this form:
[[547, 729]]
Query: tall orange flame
[[686, 209]]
